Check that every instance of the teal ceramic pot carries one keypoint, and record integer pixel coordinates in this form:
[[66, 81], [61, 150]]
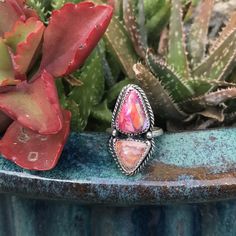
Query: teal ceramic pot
[[187, 188]]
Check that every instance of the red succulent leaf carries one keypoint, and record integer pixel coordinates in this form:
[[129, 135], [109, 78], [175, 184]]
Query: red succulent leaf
[[24, 40], [10, 12], [72, 33], [34, 105], [31, 150], [29, 12]]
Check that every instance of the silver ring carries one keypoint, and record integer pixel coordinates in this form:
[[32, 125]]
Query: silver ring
[[156, 132], [132, 130]]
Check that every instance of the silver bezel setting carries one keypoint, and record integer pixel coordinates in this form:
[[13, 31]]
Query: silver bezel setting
[[146, 106], [134, 136], [142, 162]]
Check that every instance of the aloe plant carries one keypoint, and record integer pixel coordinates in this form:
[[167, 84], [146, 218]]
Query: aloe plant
[[32, 55], [187, 77]]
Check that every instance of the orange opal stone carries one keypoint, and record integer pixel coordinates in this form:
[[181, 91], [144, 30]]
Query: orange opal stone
[[132, 118], [131, 153]]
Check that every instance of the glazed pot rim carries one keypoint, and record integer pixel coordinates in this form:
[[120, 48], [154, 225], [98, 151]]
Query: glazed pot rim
[[187, 166]]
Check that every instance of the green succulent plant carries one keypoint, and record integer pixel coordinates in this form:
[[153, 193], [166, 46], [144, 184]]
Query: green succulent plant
[[151, 43], [186, 78]]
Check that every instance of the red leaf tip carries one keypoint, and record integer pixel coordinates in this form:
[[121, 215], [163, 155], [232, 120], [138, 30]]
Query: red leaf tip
[[71, 35]]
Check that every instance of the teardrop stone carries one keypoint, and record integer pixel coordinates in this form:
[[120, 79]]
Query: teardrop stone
[[131, 153], [132, 118]]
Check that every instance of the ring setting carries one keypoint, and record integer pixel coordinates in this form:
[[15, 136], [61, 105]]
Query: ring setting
[[132, 130]]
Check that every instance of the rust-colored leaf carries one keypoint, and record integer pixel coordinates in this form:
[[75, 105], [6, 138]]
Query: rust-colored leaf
[[215, 98]]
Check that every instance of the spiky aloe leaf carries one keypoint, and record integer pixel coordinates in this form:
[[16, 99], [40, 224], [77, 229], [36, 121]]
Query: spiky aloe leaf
[[34, 105], [100, 118], [89, 93], [221, 59], [132, 27], [31, 150], [170, 79], [77, 122], [73, 81], [150, 7], [24, 40], [162, 103], [163, 43], [177, 56], [120, 45], [141, 22], [6, 68], [200, 85], [72, 33], [112, 69], [215, 98], [230, 25], [189, 11], [199, 31], [41, 7]]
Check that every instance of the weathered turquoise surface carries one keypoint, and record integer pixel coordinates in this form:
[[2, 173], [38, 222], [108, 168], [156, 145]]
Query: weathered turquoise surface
[[184, 190], [187, 166]]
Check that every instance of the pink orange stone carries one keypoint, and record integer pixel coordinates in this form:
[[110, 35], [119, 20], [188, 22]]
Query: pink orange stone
[[131, 153], [132, 118]]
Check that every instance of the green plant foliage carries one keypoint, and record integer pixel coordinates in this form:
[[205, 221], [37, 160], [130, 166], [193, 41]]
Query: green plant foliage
[[42, 7], [189, 83], [161, 101], [119, 44], [114, 91], [156, 19], [163, 46], [171, 79], [102, 113], [177, 56], [57, 4], [199, 31], [82, 99]]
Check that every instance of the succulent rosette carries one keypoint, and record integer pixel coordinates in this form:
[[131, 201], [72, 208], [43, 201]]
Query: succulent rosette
[[32, 56]]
